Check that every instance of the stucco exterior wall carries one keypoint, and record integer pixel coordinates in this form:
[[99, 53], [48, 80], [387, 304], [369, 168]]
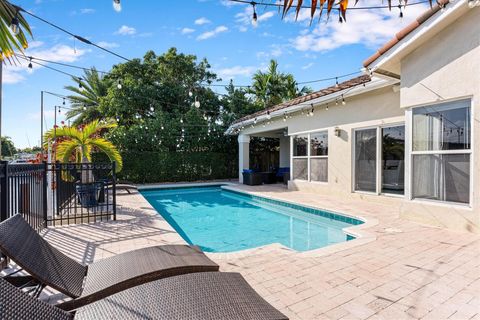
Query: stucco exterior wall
[[447, 67]]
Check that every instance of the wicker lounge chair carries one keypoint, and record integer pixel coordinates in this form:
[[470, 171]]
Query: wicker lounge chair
[[85, 284], [206, 296]]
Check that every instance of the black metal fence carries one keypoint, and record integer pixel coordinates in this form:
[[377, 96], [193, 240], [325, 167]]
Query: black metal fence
[[23, 189], [82, 193], [52, 194]]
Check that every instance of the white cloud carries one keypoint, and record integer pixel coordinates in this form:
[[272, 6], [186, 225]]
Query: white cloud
[[213, 33], [58, 53], [201, 21], [231, 73], [87, 11], [108, 45], [307, 66], [358, 29], [187, 30], [126, 31]]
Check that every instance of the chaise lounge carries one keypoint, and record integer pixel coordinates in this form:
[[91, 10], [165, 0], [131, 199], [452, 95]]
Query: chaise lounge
[[86, 284], [205, 295]]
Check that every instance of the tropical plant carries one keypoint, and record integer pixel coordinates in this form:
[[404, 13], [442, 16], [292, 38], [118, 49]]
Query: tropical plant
[[8, 148], [274, 87], [88, 91], [13, 30], [78, 143]]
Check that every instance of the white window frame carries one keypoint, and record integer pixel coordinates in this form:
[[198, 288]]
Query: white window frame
[[378, 165], [411, 153], [308, 157]]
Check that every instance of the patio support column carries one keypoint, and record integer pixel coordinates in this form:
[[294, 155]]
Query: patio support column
[[243, 155], [284, 152]]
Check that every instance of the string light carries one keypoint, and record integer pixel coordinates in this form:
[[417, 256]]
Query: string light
[[63, 101], [119, 84], [326, 107], [117, 6], [30, 65], [80, 85], [197, 103], [336, 82], [15, 24], [343, 101], [254, 18], [268, 115]]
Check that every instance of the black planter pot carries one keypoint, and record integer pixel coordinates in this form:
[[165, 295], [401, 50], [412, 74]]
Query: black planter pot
[[88, 193]]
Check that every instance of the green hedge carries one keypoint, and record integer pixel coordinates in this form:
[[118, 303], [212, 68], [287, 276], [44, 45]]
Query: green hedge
[[157, 167]]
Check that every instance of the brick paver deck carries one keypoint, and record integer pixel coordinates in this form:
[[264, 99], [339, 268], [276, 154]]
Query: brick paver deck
[[401, 270]]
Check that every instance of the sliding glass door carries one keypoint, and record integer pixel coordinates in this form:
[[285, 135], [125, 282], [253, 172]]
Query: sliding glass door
[[393, 160], [380, 160], [366, 160]]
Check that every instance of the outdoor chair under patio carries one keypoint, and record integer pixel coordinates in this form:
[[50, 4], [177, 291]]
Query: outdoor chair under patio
[[206, 296], [85, 284]]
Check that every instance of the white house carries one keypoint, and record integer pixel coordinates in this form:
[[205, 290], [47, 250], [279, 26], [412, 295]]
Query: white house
[[407, 133]]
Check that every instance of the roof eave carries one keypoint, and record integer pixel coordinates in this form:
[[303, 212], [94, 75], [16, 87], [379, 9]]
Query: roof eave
[[376, 83], [410, 37]]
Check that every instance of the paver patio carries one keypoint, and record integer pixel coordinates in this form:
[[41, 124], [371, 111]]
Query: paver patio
[[403, 270]]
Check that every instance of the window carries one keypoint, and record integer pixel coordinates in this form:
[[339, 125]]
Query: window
[[310, 157], [441, 152], [380, 160], [319, 156], [300, 157]]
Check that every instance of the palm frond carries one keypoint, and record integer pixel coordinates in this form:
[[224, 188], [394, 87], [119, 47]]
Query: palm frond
[[9, 42], [109, 149]]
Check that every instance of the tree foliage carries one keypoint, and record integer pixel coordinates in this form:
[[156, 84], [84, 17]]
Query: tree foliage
[[273, 87], [8, 148]]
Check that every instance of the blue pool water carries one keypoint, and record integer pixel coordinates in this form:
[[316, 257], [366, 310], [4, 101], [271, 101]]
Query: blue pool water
[[218, 220]]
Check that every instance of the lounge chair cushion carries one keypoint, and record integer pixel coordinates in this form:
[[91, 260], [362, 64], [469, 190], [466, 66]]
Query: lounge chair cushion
[[128, 269], [17, 305], [206, 296], [21, 243]]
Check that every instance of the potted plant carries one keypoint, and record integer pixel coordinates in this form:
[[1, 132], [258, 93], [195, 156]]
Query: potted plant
[[76, 145]]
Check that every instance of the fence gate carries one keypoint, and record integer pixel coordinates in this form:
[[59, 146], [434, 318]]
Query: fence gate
[[81, 193]]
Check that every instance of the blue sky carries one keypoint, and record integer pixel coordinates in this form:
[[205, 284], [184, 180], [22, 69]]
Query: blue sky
[[218, 30]]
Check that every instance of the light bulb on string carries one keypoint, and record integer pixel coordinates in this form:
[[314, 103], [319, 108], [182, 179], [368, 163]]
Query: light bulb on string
[[336, 82], [117, 6], [119, 84], [84, 107], [15, 24], [80, 85], [181, 120], [326, 107], [268, 115], [254, 17], [30, 65], [343, 100], [190, 94], [197, 103], [63, 101]]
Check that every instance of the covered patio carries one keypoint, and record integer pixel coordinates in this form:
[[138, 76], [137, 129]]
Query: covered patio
[[264, 156]]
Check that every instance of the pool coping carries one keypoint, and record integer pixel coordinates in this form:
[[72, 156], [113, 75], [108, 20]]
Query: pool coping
[[358, 231]]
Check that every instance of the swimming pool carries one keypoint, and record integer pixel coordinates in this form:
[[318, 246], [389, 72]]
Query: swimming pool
[[219, 220]]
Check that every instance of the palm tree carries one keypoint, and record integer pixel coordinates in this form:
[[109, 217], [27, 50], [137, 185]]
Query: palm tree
[[88, 92], [274, 87], [13, 27], [78, 143]]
